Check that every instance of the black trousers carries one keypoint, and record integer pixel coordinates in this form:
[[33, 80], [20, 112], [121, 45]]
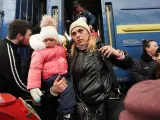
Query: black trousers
[[113, 109], [48, 109]]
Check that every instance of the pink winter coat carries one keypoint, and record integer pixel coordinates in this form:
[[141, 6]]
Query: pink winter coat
[[46, 62]]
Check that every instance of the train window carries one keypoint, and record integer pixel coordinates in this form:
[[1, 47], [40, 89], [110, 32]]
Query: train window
[[55, 12]]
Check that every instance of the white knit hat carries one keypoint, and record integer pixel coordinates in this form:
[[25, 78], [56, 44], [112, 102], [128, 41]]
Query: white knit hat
[[79, 23], [48, 30]]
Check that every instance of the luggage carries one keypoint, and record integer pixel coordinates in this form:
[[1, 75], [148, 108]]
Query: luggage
[[12, 108]]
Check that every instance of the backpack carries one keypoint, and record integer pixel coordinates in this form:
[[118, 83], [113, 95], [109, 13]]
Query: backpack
[[12, 108]]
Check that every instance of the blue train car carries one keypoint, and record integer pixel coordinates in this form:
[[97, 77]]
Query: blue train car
[[127, 23], [121, 23], [28, 10]]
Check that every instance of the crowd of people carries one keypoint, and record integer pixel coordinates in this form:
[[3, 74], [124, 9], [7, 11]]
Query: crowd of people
[[82, 71]]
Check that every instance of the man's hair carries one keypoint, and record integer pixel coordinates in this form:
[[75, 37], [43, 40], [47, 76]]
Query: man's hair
[[36, 29], [18, 26]]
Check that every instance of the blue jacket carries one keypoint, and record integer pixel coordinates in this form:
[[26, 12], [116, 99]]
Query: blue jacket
[[91, 19]]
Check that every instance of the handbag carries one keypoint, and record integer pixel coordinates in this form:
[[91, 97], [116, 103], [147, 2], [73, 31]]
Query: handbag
[[83, 112], [12, 108]]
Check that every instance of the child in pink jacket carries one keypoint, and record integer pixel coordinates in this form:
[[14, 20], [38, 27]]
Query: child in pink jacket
[[49, 60]]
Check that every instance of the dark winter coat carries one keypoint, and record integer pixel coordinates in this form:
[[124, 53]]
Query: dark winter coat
[[91, 19], [143, 69], [10, 70], [91, 76]]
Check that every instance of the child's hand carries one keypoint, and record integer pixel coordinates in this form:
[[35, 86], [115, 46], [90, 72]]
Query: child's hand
[[36, 103], [36, 94]]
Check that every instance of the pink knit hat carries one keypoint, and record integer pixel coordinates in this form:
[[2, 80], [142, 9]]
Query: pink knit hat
[[142, 101]]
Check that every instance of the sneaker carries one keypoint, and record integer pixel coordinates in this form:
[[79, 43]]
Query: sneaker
[[68, 117], [65, 117]]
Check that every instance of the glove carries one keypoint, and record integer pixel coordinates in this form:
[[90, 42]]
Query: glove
[[36, 94]]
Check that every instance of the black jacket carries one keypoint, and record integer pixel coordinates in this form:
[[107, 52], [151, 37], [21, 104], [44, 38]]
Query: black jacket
[[143, 69], [91, 19], [10, 70], [91, 76]]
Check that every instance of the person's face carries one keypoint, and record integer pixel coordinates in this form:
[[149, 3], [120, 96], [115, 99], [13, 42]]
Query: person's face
[[78, 8], [158, 58], [152, 49], [24, 40], [49, 42], [80, 35]]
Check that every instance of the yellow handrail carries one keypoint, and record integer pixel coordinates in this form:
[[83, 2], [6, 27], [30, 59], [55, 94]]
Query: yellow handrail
[[109, 26], [137, 28]]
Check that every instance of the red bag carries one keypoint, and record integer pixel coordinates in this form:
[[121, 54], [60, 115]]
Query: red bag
[[12, 108]]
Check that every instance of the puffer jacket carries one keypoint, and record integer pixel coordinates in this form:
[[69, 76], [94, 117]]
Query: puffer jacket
[[92, 78], [144, 68], [46, 62], [91, 19]]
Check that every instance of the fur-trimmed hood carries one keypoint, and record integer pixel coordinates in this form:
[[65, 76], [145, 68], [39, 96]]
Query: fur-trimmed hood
[[36, 41]]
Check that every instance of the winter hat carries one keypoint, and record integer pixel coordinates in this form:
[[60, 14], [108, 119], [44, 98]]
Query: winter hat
[[142, 101], [36, 43], [48, 30], [83, 18], [75, 3], [79, 23]]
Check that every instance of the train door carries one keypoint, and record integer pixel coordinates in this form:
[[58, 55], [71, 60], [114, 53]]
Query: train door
[[28, 10], [55, 8], [93, 6], [62, 10], [126, 23]]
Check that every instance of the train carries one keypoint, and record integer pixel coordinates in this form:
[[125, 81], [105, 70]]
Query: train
[[122, 24]]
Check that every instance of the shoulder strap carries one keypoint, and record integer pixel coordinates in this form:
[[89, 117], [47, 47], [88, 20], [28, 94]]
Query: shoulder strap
[[110, 68]]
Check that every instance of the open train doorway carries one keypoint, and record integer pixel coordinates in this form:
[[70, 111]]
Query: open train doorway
[[93, 6]]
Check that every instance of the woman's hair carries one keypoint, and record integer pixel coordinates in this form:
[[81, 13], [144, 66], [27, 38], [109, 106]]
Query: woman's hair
[[146, 44], [91, 45]]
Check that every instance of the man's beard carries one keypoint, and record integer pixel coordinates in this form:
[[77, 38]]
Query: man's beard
[[21, 43]]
